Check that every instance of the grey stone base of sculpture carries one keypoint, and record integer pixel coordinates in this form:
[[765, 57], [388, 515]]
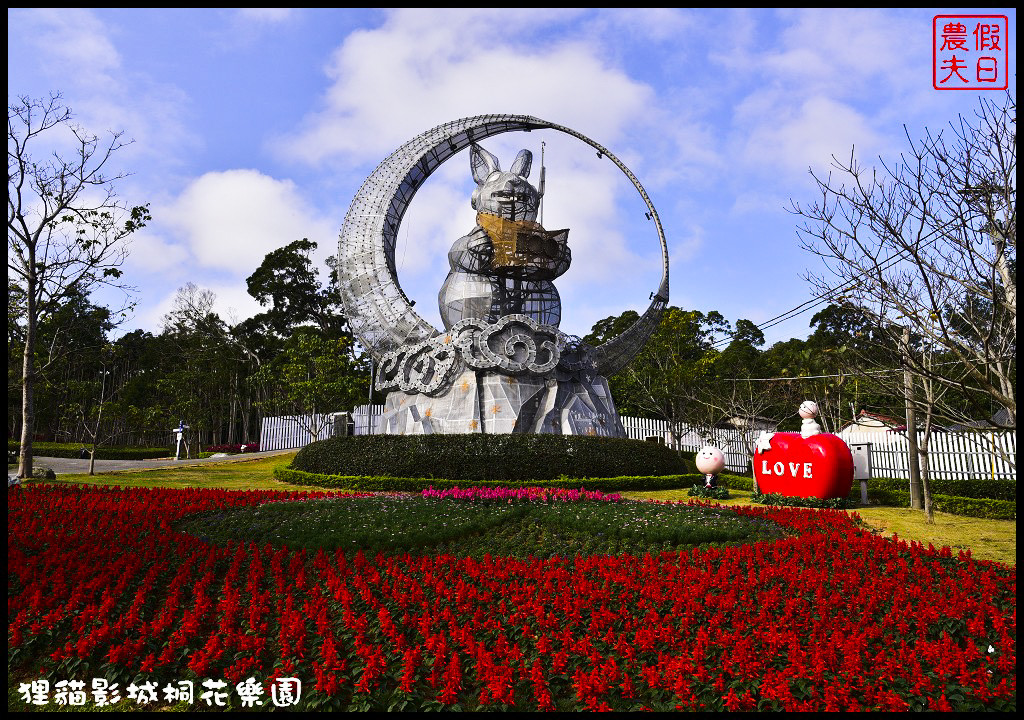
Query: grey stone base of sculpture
[[487, 402]]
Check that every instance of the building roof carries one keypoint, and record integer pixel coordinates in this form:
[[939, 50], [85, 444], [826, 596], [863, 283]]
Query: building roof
[[1000, 419], [864, 415], [736, 421]]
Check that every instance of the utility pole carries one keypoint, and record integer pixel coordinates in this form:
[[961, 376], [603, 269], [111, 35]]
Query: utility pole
[[916, 499]]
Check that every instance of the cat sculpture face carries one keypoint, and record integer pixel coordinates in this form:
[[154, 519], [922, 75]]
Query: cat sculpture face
[[505, 194]]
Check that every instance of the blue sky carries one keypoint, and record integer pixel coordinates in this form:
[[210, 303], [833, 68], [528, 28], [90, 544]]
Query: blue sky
[[255, 127]]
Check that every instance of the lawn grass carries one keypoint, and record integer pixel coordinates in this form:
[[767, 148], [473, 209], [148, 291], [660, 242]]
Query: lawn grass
[[987, 539], [251, 474]]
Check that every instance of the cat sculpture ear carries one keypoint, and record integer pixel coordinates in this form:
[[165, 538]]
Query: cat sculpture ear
[[482, 163], [523, 163]]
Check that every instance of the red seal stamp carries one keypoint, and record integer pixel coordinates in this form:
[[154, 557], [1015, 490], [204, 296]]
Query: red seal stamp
[[970, 52]]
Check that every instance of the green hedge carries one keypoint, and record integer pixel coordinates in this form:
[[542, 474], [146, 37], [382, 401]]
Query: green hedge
[[378, 483], [516, 457], [734, 482], [984, 489], [74, 450], [970, 507]]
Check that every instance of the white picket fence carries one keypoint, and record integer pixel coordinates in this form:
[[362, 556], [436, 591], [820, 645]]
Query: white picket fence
[[734, 444], [291, 431], [960, 456]]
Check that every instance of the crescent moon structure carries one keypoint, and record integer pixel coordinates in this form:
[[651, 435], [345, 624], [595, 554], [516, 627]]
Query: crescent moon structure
[[381, 315]]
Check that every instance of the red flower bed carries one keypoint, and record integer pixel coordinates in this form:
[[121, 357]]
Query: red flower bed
[[832, 619]]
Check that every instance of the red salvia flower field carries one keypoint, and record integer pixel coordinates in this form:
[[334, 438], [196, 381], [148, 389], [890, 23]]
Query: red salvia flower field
[[100, 584]]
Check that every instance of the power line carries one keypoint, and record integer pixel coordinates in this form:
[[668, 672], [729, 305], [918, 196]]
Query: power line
[[816, 377], [819, 299], [850, 374]]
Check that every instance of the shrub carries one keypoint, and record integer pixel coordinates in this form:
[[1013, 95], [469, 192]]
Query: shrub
[[714, 493], [970, 507], [808, 502], [983, 488], [379, 483], [477, 457], [74, 450], [988, 498], [736, 482]]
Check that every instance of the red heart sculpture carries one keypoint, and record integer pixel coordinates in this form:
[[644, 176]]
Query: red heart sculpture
[[819, 466]]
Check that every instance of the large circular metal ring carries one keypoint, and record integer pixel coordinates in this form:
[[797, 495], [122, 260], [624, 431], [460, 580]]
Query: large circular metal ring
[[378, 311]]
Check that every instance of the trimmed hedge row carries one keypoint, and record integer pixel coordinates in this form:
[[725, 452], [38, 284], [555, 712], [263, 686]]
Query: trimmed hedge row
[[969, 507], [516, 457], [734, 482], [378, 483], [985, 489], [74, 450], [990, 499]]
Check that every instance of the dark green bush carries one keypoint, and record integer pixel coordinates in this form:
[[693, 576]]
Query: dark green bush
[[985, 498], [74, 450], [440, 527], [969, 507], [975, 507], [735, 482], [479, 457], [984, 488], [714, 493], [808, 502]]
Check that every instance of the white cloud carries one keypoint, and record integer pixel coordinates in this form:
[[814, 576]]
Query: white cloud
[[807, 135], [77, 53], [643, 24], [818, 83], [394, 82], [849, 49], [151, 252], [72, 43], [684, 248], [230, 220]]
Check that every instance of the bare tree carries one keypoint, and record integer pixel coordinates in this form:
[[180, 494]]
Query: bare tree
[[66, 226], [89, 409], [927, 245], [742, 404]]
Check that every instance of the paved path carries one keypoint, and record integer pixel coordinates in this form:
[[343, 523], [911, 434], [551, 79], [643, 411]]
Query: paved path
[[74, 465]]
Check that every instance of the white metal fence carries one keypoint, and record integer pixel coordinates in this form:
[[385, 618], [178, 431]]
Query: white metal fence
[[960, 456], [968, 455], [365, 417], [291, 431], [734, 444]]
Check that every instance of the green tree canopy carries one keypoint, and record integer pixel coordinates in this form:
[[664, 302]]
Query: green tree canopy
[[289, 286]]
